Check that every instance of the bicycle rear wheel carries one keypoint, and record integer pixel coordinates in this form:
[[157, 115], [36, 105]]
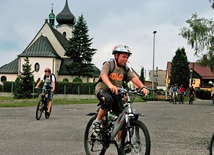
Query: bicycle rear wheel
[[212, 145], [139, 139], [39, 110]]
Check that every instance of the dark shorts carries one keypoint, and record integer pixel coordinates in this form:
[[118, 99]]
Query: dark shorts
[[50, 94], [110, 101]]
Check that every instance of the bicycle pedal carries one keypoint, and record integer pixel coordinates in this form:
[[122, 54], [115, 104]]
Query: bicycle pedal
[[128, 149]]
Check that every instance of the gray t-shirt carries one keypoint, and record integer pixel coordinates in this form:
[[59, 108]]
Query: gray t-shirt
[[116, 77]]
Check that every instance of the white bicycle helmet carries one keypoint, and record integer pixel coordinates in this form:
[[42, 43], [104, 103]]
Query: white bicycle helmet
[[121, 49]]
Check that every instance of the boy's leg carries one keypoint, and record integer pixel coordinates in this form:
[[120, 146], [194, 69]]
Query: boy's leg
[[50, 97], [101, 114]]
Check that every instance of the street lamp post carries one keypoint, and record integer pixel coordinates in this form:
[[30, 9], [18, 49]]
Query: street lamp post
[[154, 32], [191, 70]]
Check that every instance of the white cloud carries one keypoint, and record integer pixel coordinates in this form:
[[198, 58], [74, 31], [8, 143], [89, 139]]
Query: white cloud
[[110, 23]]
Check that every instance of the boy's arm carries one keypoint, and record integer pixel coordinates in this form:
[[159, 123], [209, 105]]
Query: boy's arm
[[106, 80], [53, 85], [40, 81], [140, 85]]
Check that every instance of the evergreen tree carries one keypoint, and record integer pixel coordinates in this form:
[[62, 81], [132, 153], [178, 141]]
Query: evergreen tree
[[79, 50], [142, 78], [180, 68], [24, 82]]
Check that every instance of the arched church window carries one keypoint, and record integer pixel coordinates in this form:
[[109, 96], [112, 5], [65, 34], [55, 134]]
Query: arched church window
[[36, 67], [3, 78], [64, 33]]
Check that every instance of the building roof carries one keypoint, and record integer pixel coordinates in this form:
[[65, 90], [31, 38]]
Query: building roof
[[65, 16], [60, 37], [66, 61], [10, 68], [204, 72], [40, 48]]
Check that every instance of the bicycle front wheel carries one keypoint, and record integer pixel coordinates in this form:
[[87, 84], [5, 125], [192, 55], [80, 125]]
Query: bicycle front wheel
[[136, 140], [212, 145], [94, 143], [39, 110]]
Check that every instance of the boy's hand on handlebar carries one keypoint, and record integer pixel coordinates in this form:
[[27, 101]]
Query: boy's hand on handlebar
[[113, 89], [145, 91]]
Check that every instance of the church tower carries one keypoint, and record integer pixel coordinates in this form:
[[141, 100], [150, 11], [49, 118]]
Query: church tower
[[66, 21], [52, 17]]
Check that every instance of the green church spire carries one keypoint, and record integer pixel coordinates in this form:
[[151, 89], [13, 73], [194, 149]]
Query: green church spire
[[52, 17]]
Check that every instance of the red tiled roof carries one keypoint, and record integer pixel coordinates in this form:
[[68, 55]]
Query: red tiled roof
[[204, 72]]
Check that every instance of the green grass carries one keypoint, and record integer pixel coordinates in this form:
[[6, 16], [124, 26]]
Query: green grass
[[11, 102]]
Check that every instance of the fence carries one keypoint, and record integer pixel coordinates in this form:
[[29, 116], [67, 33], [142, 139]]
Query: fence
[[61, 88]]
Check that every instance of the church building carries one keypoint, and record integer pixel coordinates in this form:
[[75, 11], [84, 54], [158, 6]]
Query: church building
[[47, 50]]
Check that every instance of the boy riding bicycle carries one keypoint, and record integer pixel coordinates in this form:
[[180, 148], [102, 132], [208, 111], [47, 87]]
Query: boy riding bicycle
[[49, 84], [107, 88]]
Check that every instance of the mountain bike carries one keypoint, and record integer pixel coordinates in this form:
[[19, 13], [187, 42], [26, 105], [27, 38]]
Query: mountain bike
[[211, 146], [135, 138], [191, 98], [174, 97], [181, 98], [43, 104]]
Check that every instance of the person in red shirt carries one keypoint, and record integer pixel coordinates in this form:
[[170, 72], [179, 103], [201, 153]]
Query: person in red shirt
[[181, 93]]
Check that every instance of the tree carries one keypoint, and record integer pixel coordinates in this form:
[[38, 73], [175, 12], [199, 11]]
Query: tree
[[24, 82], [79, 50], [180, 68], [212, 3], [200, 37], [142, 78]]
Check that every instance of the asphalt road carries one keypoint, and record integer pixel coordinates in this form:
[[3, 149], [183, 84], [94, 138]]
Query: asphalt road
[[180, 129]]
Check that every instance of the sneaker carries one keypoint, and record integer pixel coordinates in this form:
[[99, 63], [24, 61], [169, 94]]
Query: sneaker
[[47, 114], [96, 126]]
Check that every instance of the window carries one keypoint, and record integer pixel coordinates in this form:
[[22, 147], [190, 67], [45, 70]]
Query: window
[[3, 78], [193, 81], [36, 67], [64, 33]]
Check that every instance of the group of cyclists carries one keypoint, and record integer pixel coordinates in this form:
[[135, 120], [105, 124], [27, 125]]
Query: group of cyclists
[[178, 92]]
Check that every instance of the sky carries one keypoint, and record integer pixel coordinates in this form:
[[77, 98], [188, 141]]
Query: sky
[[128, 22]]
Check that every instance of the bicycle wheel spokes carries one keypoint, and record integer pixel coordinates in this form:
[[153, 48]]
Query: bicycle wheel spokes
[[39, 110], [139, 140], [92, 143]]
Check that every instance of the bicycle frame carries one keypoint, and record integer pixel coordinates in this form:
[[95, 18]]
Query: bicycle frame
[[43, 104], [124, 117], [111, 126]]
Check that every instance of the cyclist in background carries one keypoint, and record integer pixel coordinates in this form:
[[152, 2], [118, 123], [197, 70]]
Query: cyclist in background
[[212, 91], [181, 93], [107, 88], [170, 92], [191, 93], [174, 90], [49, 83]]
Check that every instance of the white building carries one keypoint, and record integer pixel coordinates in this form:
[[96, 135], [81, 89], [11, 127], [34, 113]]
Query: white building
[[47, 49]]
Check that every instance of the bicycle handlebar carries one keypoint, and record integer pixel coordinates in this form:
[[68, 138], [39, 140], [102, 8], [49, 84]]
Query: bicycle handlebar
[[123, 91]]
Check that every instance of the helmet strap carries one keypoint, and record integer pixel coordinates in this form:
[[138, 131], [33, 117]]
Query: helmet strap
[[116, 58]]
